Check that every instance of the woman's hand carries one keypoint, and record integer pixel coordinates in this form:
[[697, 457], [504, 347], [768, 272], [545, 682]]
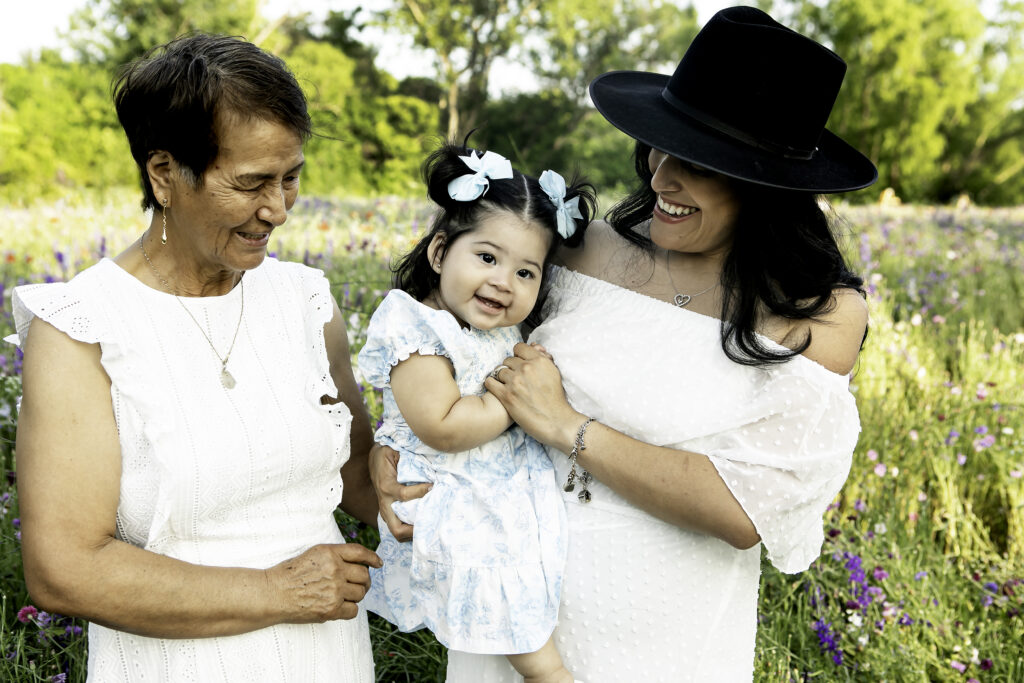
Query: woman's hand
[[530, 388], [323, 583], [384, 475]]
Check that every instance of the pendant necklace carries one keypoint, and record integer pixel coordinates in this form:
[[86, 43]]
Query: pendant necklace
[[681, 300], [226, 379]]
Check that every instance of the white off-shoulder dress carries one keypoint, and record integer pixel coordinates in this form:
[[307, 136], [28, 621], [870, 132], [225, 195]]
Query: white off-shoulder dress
[[241, 477], [643, 600]]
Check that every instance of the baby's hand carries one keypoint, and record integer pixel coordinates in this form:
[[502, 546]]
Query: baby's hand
[[542, 350]]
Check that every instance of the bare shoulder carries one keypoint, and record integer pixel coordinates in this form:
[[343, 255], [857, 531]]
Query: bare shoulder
[[836, 336], [601, 246], [44, 345]]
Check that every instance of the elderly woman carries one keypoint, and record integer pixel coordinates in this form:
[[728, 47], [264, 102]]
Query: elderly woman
[[697, 405], [190, 420]]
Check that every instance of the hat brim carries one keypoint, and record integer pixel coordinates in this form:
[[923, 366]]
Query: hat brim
[[632, 102]]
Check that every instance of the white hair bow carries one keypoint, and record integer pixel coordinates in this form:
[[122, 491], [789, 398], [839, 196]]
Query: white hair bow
[[468, 187], [565, 211]]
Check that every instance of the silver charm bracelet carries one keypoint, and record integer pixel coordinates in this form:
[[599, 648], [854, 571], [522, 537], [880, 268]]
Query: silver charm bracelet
[[584, 477]]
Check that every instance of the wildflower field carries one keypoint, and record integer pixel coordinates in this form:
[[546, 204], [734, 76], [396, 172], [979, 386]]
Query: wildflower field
[[921, 577]]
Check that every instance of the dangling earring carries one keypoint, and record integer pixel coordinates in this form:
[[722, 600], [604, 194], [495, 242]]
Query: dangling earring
[[163, 235]]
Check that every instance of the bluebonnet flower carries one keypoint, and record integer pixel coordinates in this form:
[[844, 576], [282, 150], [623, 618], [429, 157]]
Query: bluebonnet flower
[[827, 640]]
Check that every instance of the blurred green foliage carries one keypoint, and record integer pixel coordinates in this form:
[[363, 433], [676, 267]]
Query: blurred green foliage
[[934, 93]]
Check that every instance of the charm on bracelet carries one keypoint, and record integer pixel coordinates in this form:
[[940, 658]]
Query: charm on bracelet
[[584, 477]]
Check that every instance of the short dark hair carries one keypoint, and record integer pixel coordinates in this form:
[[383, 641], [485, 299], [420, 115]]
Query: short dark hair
[[521, 195], [170, 99], [786, 259]]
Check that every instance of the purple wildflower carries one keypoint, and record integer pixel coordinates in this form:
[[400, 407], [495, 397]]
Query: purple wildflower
[[920, 575], [986, 664], [879, 574], [827, 640], [959, 666], [952, 436], [984, 442]]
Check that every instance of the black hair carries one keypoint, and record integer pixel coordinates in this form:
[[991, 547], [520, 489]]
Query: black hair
[[521, 195], [171, 98], [785, 259]]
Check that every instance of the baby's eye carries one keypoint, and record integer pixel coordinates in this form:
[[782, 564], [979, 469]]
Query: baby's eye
[[526, 274], [486, 257]]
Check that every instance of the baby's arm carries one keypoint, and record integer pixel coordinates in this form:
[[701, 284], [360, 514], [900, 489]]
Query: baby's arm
[[438, 414]]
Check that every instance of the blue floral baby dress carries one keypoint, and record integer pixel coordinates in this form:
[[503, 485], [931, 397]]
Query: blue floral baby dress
[[484, 568]]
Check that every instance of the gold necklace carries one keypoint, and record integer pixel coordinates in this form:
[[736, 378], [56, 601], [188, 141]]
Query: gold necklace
[[681, 300], [226, 379]]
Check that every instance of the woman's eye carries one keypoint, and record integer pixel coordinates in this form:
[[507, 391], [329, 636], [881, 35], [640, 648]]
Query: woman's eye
[[698, 170], [486, 257]]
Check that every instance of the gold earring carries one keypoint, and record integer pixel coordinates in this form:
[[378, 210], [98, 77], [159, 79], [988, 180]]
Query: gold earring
[[163, 235]]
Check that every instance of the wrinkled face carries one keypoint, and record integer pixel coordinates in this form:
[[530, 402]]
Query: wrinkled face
[[490, 276], [225, 224], [696, 208]]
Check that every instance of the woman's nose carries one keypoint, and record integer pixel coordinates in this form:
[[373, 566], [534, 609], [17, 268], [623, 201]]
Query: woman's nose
[[275, 207], [666, 172]]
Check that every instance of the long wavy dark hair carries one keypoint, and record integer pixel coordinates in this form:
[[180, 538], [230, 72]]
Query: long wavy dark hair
[[786, 259], [521, 195]]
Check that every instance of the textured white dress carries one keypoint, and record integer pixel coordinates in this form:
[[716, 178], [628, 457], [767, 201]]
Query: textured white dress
[[643, 600], [242, 477]]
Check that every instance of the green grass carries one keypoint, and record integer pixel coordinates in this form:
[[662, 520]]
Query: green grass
[[922, 574]]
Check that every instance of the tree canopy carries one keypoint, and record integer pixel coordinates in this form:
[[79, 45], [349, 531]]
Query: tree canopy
[[934, 93]]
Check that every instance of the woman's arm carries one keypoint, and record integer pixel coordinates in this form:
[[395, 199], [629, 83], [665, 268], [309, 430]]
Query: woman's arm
[[69, 469], [438, 414], [358, 496], [677, 486]]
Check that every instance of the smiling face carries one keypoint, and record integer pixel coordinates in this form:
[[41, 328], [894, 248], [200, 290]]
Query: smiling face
[[490, 276], [223, 226], [696, 208]]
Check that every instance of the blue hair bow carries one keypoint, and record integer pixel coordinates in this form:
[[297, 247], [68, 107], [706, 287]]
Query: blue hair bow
[[565, 211], [468, 187]]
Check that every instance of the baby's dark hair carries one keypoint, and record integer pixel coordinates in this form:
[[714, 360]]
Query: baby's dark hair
[[521, 195]]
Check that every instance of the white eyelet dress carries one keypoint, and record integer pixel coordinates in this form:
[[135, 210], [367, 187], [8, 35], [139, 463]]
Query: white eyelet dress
[[643, 600], [242, 477]]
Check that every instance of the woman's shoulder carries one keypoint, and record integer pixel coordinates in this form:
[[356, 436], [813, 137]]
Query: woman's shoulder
[[836, 335], [602, 247], [73, 307]]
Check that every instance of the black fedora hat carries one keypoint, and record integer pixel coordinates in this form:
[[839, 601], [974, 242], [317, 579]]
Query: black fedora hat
[[749, 99]]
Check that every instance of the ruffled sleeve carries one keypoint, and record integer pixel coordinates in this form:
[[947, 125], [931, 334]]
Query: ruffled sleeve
[[787, 458], [400, 327], [60, 304]]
